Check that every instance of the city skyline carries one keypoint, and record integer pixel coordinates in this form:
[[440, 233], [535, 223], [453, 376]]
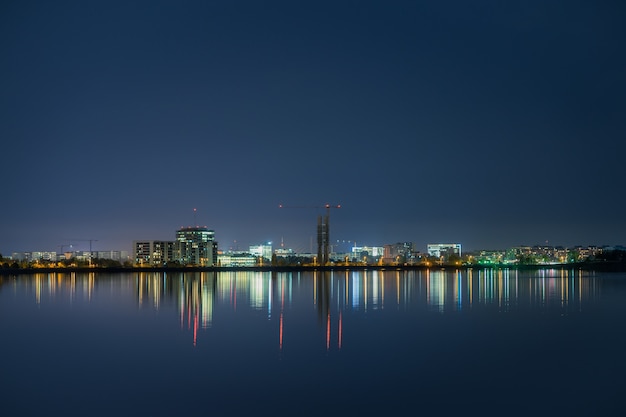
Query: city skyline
[[486, 123], [336, 246]]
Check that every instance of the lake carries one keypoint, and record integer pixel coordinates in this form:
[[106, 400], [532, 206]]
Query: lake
[[439, 342]]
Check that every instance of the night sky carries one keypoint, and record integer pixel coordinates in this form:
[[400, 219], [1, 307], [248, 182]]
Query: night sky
[[487, 123]]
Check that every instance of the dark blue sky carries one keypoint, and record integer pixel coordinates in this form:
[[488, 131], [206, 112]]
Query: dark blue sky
[[487, 123]]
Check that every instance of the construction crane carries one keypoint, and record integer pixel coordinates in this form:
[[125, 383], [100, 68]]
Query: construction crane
[[84, 240], [90, 243], [64, 246], [323, 231]]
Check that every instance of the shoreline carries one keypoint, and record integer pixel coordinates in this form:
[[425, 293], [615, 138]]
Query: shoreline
[[583, 266]]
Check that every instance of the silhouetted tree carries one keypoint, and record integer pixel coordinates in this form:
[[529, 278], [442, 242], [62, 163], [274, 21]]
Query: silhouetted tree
[[526, 259], [452, 259]]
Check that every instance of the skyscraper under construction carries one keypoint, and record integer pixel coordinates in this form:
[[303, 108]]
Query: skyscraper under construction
[[323, 238]]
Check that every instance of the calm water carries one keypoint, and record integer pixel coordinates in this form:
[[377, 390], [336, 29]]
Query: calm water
[[341, 343]]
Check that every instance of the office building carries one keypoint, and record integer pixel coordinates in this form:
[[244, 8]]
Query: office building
[[444, 249], [263, 250], [196, 246], [236, 260], [398, 252]]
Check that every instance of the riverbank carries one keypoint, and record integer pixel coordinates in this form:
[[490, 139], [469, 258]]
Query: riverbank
[[587, 266]]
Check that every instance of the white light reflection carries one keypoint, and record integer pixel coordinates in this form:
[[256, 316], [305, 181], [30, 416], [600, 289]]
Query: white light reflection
[[194, 296]]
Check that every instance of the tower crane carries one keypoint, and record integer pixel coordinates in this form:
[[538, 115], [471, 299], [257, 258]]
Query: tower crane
[[90, 243], [323, 230], [65, 246]]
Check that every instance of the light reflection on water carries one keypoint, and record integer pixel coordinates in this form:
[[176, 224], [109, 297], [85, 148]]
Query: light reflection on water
[[438, 290], [196, 294], [441, 290], [335, 343]]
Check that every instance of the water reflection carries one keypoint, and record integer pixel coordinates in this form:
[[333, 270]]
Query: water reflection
[[341, 342], [50, 286], [195, 296], [322, 298]]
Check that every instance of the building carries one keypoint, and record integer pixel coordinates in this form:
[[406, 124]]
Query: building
[[142, 252], [367, 254], [236, 260], [34, 256], [488, 257], [162, 251], [263, 250], [284, 252], [193, 246], [114, 255], [196, 246], [400, 252], [153, 252], [445, 250]]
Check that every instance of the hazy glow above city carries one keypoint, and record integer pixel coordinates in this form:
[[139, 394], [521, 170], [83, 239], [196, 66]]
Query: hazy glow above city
[[491, 124]]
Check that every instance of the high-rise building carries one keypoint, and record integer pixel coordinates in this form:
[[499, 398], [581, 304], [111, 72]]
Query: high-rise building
[[323, 236], [196, 246], [144, 251], [162, 251]]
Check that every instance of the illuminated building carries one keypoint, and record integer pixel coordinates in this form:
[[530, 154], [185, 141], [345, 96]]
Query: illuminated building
[[162, 251], [398, 252], [153, 252], [115, 255], [262, 251], [142, 251], [371, 250], [236, 260], [193, 246], [366, 253], [444, 249], [196, 246], [284, 252], [34, 256]]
